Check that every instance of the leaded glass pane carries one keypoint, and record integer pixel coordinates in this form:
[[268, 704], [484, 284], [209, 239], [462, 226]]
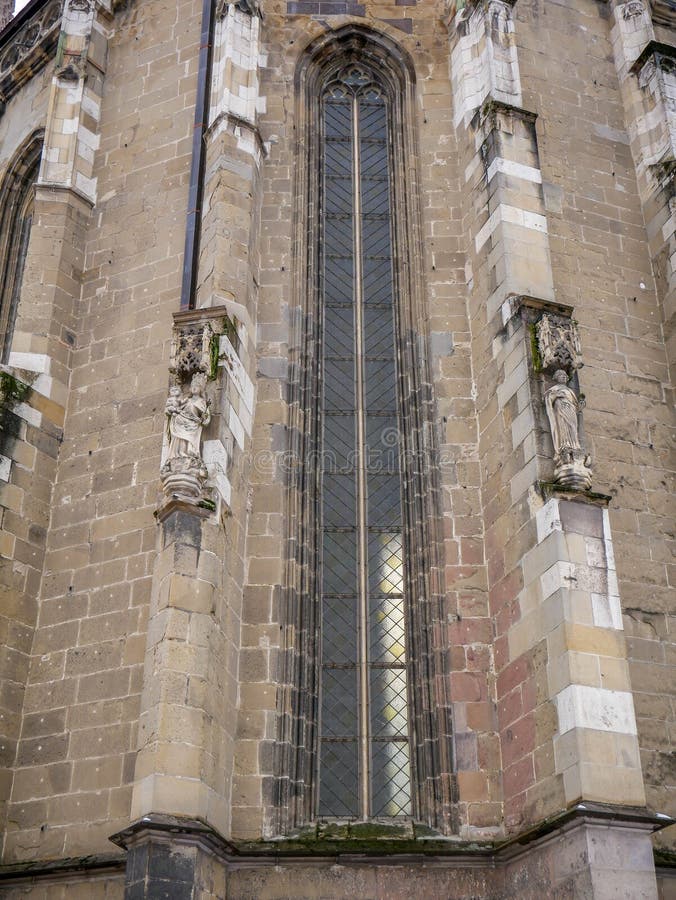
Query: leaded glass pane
[[339, 631], [339, 793], [387, 630], [388, 702], [340, 550], [339, 714], [391, 778]]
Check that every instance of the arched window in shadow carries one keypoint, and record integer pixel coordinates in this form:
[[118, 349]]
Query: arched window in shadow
[[364, 725], [16, 217]]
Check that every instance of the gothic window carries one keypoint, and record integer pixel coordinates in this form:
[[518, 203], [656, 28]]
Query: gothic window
[[364, 762], [16, 217], [364, 725]]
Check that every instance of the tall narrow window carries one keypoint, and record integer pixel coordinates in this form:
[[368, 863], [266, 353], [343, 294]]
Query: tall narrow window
[[364, 720], [16, 219], [364, 730]]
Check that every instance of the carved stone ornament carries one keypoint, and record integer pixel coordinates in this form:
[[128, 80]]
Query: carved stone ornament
[[191, 350], [559, 343], [633, 9], [572, 465], [188, 411], [252, 7], [73, 69], [83, 6]]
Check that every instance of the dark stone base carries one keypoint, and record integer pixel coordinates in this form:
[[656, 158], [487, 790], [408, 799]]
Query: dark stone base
[[588, 853]]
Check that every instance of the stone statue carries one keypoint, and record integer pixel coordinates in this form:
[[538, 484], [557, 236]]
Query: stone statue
[[186, 418], [563, 406], [184, 472]]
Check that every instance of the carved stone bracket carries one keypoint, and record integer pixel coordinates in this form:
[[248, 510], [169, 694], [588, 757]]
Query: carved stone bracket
[[558, 342], [191, 349]]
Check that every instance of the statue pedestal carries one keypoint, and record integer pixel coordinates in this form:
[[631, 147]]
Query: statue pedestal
[[183, 478], [573, 470]]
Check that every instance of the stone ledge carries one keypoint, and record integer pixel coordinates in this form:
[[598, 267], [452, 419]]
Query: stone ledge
[[492, 108], [370, 842], [656, 49], [100, 864], [174, 505], [429, 848], [549, 489]]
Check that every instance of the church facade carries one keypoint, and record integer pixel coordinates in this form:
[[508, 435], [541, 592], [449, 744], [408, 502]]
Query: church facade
[[336, 413]]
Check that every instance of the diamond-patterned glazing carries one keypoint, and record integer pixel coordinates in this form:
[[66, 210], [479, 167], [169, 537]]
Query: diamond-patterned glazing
[[389, 703], [387, 630], [391, 778], [338, 768]]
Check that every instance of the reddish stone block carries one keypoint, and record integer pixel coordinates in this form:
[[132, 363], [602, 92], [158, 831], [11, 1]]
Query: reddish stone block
[[506, 589], [516, 673], [518, 739], [496, 567], [468, 686], [519, 777], [473, 786], [501, 653], [478, 658], [471, 631], [471, 551], [529, 695], [480, 715], [507, 616], [488, 750], [451, 550], [457, 656], [510, 708], [473, 603]]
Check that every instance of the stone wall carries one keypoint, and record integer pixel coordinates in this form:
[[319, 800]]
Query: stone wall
[[144, 657]]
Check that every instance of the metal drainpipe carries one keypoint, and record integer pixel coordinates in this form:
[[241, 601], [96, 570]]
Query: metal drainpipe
[[202, 103]]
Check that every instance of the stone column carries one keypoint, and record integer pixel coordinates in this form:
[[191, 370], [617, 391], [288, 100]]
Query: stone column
[[44, 335], [189, 701], [646, 70], [563, 699], [34, 385], [185, 764], [234, 153]]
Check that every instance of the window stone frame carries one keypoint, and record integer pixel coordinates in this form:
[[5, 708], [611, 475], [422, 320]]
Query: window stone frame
[[17, 194], [433, 786]]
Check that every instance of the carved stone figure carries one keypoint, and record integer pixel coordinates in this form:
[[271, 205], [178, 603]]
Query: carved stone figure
[[562, 409], [559, 343], [184, 472], [572, 466]]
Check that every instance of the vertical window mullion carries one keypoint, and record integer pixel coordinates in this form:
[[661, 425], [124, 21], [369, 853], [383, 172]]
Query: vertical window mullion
[[364, 706]]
